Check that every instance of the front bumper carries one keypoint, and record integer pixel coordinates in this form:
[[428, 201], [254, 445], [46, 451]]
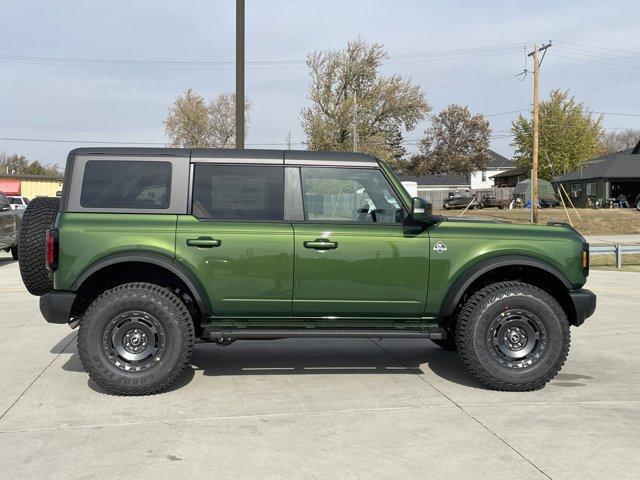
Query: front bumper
[[56, 306], [584, 304]]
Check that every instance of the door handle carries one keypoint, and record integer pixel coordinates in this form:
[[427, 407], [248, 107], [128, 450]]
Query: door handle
[[203, 242], [320, 244]]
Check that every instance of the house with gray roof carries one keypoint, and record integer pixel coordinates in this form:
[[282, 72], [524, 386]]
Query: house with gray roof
[[604, 178]]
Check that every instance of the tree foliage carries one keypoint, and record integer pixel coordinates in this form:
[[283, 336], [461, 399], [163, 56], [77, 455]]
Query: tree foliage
[[456, 142], [194, 123], [569, 135], [18, 165], [384, 106], [615, 141]]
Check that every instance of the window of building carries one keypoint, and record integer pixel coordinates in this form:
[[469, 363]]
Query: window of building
[[349, 195], [126, 184], [591, 189], [238, 192], [484, 175], [576, 190]]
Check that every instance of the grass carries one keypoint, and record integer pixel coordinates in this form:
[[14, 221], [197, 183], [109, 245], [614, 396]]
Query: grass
[[617, 221], [630, 262]]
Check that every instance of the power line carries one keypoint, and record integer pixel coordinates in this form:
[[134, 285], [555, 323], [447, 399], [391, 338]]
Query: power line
[[135, 63]]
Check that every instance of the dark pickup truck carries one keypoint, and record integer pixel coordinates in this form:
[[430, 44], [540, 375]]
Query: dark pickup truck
[[9, 227]]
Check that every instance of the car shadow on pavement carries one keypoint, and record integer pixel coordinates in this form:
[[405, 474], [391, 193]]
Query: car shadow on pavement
[[6, 261], [291, 357]]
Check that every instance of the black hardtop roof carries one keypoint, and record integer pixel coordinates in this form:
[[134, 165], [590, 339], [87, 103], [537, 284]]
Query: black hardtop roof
[[228, 153]]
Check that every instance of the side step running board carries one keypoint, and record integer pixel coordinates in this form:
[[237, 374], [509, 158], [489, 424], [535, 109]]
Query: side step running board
[[275, 333]]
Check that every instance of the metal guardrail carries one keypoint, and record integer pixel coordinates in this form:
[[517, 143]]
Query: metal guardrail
[[617, 250]]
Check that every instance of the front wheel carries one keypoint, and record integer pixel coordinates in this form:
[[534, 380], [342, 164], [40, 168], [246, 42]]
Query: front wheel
[[135, 339], [513, 336], [14, 252]]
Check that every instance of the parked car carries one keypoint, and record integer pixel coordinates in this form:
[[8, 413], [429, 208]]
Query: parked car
[[149, 249], [549, 202], [460, 201], [490, 201], [9, 227], [18, 202]]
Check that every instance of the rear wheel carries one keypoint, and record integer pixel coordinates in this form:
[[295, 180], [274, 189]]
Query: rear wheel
[[37, 218], [513, 336], [136, 339]]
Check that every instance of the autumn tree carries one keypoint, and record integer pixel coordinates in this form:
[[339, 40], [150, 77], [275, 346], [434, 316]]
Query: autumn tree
[[569, 135], [612, 142], [195, 123], [19, 165], [347, 85], [456, 142]]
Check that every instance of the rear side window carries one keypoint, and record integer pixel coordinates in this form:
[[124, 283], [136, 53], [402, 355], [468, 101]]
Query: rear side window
[[238, 192], [126, 184]]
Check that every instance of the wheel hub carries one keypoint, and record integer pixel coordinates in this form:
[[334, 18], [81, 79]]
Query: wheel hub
[[517, 338], [134, 341]]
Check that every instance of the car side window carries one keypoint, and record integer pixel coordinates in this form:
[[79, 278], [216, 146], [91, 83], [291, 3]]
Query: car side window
[[126, 184], [238, 192], [349, 195]]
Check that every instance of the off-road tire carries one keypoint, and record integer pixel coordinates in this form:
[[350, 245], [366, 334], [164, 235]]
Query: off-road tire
[[474, 342], [178, 337], [14, 252], [37, 218]]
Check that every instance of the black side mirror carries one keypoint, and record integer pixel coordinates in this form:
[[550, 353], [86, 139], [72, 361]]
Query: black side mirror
[[421, 210]]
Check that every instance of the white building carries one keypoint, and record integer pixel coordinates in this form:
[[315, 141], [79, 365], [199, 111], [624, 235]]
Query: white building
[[481, 180]]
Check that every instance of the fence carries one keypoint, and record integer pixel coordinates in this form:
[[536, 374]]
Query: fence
[[617, 250]]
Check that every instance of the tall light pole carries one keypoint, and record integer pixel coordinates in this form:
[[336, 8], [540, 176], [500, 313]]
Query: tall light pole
[[239, 74]]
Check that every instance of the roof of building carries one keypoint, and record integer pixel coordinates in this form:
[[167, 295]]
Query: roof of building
[[512, 172], [26, 176], [622, 164], [436, 180], [498, 162]]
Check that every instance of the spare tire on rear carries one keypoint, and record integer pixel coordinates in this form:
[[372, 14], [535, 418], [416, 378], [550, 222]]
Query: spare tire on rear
[[38, 217]]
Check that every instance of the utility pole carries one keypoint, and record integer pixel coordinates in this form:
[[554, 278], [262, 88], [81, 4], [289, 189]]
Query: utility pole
[[239, 74], [355, 122], [536, 128], [289, 140]]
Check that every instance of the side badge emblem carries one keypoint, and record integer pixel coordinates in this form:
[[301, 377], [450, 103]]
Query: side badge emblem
[[440, 247]]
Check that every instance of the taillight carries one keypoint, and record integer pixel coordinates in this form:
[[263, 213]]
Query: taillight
[[585, 258], [51, 237]]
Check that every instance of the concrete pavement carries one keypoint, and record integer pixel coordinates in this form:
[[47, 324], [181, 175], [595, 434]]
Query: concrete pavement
[[318, 409]]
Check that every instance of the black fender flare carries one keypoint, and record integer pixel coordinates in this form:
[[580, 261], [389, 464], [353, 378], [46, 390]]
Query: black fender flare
[[158, 259], [474, 272]]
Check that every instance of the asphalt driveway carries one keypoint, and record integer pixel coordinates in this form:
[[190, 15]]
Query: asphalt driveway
[[313, 408]]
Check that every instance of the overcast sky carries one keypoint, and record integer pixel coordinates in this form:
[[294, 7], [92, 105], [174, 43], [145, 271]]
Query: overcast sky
[[596, 55]]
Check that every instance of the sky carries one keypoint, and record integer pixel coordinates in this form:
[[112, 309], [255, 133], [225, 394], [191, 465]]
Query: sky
[[90, 71]]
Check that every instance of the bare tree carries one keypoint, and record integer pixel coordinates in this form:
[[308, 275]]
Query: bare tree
[[194, 123], [346, 88], [612, 142]]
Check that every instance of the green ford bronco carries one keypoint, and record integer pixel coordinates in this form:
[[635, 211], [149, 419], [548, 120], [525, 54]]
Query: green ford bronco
[[149, 249]]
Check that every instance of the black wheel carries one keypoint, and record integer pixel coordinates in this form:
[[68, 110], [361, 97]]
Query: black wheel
[[513, 336], [37, 218], [135, 339], [14, 252]]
